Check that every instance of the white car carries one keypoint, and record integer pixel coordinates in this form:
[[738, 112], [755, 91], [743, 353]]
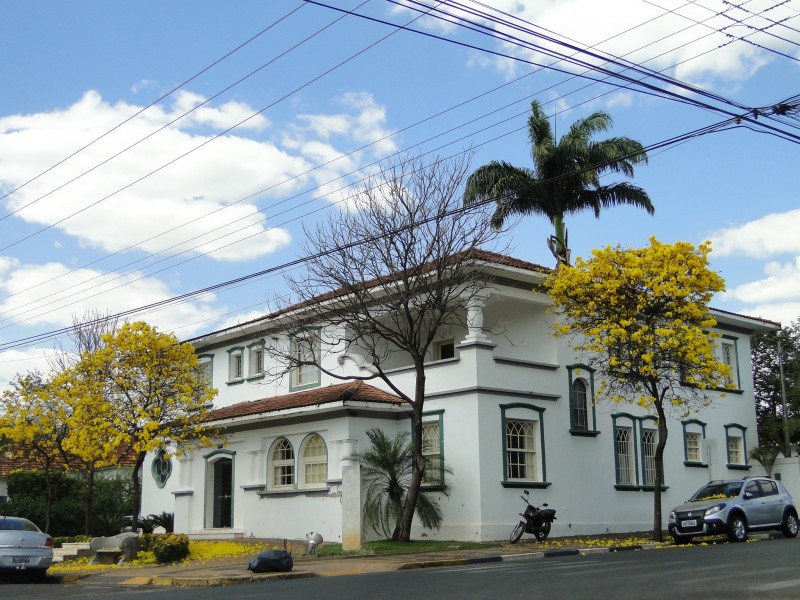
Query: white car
[[24, 547]]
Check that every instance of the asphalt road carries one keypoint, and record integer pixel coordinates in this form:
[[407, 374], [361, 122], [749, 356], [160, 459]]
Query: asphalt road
[[765, 569]]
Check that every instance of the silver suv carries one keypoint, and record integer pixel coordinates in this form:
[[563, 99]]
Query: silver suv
[[734, 508]]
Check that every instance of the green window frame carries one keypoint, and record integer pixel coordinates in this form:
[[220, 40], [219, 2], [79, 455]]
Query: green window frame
[[585, 376], [741, 450], [694, 428], [304, 377], [523, 424]]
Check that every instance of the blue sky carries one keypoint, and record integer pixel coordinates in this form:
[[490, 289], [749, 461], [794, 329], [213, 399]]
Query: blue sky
[[293, 101]]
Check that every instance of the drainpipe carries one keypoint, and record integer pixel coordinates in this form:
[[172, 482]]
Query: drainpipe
[[787, 448]]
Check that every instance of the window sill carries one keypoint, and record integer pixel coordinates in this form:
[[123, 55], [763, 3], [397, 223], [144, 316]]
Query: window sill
[[234, 381], [437, 487], [584, 432], [258, 487], [305, 386], [294, 492], [652, 488], [738, 467], [692, 463], [526, 484], [626, 487], [255, 377], [177, 493]]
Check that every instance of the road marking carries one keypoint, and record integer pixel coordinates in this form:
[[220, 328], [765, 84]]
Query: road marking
[[775, 585]]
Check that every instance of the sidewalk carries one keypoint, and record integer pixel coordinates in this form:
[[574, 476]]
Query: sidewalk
[[228, 571]]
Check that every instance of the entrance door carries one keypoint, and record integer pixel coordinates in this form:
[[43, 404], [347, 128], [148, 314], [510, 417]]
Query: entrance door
[[223, 493]]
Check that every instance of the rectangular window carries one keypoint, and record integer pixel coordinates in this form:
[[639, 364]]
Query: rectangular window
[[204, 370], [521, 451], [236, 364], [580, 411], [693, 445], [432, 451], [728, 357], [649, 440], [735, 450], [444, 349], [305, 351], [624, 448], [256, 361]]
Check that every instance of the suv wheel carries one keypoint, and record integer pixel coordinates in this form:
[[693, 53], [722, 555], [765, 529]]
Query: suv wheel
[[790, 525], [737, 529]]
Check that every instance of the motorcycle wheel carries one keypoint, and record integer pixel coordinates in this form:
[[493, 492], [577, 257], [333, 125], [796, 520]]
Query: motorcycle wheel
[[516, 533], [542, 535]]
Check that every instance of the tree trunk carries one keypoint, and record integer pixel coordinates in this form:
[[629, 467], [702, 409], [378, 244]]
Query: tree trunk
[[658, 532], [48, 503], [87, 507], [418, 461], [137, 490]]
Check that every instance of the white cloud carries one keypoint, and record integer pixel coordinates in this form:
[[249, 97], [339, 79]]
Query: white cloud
[[172, 201], [22, 361], [783, 313], [771, 235], [782, 282], [51, 294], [706, 44]]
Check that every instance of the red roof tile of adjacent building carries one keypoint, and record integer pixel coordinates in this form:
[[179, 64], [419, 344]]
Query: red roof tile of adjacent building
[[353, 391], [11, 461]]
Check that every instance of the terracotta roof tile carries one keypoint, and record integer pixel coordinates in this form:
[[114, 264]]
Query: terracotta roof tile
[[481, 255], [357, 391], [11, 461]]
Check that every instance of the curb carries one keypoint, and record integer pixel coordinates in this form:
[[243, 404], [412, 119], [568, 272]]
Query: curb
[[519, 557], [214, 580]]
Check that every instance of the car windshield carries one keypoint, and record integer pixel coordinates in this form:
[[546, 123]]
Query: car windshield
[[717, 489], [16, 524]]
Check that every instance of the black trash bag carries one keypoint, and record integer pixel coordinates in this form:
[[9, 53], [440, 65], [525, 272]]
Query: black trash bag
[[271, 561]]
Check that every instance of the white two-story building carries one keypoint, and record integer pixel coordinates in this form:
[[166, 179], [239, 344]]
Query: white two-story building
[[507, 408]]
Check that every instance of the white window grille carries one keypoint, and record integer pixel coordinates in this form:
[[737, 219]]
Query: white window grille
[[432, 451], [256, 361], [649, 439], [282, 464], [315, 462], [728, 351], [624, 442], [305, 349], [735, 450], [236, 366], [521, 451], [693, 447]]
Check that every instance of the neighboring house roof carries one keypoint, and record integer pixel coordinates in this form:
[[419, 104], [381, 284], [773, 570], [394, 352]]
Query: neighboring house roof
[[16, 461], [352, 391]]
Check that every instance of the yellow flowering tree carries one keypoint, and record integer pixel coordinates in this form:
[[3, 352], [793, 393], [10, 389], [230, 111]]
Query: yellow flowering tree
[[143, 389], [640, 318], [33, 426]]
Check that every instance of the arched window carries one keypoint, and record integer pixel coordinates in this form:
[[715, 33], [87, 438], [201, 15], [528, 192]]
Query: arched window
[[580, 413], [315, 461], [282, 464]]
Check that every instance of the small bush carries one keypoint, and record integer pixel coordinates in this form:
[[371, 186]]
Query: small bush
[[170, 547], [71, 539], [146, 542]]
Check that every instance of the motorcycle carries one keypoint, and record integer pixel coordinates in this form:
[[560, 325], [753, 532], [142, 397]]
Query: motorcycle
[[534, 520]]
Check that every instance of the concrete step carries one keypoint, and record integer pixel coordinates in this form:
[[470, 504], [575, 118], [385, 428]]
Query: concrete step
[[71, 551], [221, 533]]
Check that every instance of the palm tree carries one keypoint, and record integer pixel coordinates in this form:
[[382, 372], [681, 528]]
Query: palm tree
[[565, 178], [386, 469]]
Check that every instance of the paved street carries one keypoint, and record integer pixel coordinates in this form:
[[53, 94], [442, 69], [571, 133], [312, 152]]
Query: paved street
[[765, 569]]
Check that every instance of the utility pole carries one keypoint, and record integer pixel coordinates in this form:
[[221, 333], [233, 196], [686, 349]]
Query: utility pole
[[787, 449]]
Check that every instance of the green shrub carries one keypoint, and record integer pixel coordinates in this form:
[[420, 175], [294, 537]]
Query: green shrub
[[146, 542], [58, 542], [170, 547], [27, 492]]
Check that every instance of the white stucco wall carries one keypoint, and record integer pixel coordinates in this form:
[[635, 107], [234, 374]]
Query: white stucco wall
[[522, 364]]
